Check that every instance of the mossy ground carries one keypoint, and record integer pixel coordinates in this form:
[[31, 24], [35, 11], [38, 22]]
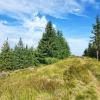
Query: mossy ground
[[71, 79]]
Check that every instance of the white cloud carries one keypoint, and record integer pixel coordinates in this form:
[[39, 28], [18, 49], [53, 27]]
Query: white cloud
[[55, 8], [35, 23], [31, 31], [78, 45], [32, 26]]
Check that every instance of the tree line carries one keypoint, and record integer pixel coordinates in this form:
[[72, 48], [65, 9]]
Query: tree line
[[93, 49], [51, 48]]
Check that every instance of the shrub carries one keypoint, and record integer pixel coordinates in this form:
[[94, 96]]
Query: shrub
[[49, 60]]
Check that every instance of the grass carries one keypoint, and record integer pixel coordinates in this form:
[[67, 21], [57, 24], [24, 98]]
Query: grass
[[69, 79]]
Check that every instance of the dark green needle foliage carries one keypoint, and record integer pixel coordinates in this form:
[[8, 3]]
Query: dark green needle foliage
[[52, 44], [51, 48], [6, 57], [93, 49]]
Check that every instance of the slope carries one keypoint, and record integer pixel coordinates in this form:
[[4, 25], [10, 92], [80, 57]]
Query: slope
[[71, 79]]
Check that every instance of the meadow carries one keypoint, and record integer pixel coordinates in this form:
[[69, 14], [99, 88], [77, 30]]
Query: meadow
[[73, 78]]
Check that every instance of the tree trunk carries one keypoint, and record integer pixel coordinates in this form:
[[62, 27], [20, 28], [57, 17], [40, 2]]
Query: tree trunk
[[97, 54]]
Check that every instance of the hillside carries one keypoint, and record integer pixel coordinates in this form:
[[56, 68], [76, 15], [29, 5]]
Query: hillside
[[70, 79]]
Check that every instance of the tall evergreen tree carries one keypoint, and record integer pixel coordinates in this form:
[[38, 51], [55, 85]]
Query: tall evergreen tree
[[47, 44], [96, 36], [19, 55], [63, 47], [23, 56], [53, 44], [94, 45], [6, 57]]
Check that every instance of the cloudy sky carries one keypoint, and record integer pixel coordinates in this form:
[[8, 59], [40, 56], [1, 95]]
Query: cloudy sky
[[28, 18]]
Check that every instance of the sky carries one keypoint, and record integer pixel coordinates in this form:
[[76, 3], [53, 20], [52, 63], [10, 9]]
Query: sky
[[27, 19]]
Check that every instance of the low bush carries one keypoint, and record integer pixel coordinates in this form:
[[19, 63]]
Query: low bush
[[49, 60]]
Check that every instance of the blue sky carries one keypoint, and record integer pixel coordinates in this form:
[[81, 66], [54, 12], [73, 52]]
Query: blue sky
[[28, 18]]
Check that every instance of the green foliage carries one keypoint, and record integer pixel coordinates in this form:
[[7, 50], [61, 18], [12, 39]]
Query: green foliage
[[17, 58], [52, 44], [49, 60], [51, 47], [6, 57], [19, 55], [23, 56], [96, 33], [47, 44], [93, 49], [63, 49]]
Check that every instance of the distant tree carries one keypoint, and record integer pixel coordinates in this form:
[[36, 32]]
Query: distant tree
[[94, 49], [96, 36], [91, 51], [6, 57], [85, 52], [20, 44]]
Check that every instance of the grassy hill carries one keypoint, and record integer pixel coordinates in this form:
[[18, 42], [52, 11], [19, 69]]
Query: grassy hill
[[70, 79]]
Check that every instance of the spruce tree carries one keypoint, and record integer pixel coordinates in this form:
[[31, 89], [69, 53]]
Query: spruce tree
[[19, 55], [96, 36], [47, 44], [52, 44], [90, 51], [94, 45], [6, 57], [63, 50], [29, 57], [23, 56]]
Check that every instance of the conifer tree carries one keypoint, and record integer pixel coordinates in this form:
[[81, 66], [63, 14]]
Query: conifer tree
[[29, 57], [47, 44], [23, 56], [94, 45], [63, 47], [19, 55], [52, 44], [96, 36], [91, 51], [6, 57]]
